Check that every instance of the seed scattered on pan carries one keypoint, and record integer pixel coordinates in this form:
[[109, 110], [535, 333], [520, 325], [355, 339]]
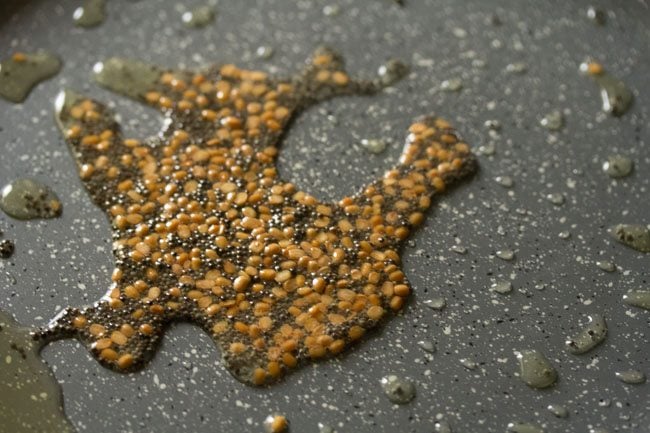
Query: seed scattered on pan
[[29, 199], [558, 410], [397, 389], [523, 427], [276, 424], [91, 14], [638, 298], [616, 97], [564, 234], [535, 370], [633, 235], [6, 248], [618, 166], [632, 377], [198, 17], [21, 72], [205, 231], [589, 337]]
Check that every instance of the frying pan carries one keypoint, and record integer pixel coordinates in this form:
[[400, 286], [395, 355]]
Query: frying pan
[[67, 261]]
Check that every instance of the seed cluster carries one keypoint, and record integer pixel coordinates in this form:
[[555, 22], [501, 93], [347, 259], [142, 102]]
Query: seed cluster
[[205, 231]]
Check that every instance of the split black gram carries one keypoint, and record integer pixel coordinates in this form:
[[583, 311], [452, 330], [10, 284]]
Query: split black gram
[[205, 231]]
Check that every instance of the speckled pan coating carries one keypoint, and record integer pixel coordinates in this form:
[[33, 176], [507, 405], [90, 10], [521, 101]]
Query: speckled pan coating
[[556, 283]]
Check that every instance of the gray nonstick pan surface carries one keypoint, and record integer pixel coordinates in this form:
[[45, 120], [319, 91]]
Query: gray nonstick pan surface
[[67, 261]]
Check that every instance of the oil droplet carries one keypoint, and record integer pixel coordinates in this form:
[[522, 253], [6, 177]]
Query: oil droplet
[[198, 17], [502, 287], [6, 248], [616, 97], [427, 346], [558, 410], [29, 199], [442, 426], [535, 370], [596, 15], [516, 68], [331, 10], [618, 166], [397, 389], [506, 255], [91, 14], [505, 181], [468, 363], [374, 145], [633, 235], [606, 265], [128, 77], [556, 198], [391, 72], [524, 427], [492, 125], [436, 303], [30, 397], [459, 32], [638, 298], [20, 73], [488, 149], [276, 424], [553, 120], [493, 20], [11, 278], [324, 428], [632, 377], [458, 249], [264, 52], [589, 337], [452, 85]]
